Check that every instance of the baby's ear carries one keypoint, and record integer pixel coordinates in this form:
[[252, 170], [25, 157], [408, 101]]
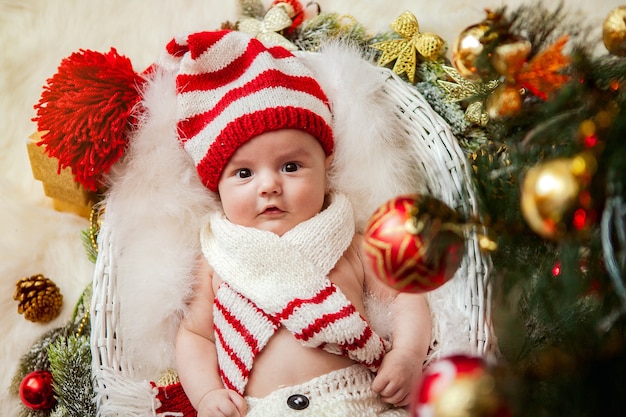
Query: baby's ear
[[329, 160], [328, 163]]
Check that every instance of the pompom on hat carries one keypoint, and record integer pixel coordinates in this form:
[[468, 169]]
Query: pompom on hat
[[231, 88]]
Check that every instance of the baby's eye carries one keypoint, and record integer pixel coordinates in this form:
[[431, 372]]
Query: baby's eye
[[291, 167], [243, 173]]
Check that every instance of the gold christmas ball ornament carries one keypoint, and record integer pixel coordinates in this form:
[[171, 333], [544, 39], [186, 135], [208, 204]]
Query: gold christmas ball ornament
[[554, 198], [506, 100], [459, 386], [40, 300], [467, 48], [614, 31]]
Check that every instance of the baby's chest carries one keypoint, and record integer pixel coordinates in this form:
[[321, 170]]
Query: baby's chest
[[349, 279]]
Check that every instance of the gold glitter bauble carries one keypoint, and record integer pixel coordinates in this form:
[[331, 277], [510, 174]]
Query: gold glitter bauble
[[509, 57], [467, 47], [551, 194], [460, 386], [506, 100], [614, 31], [473, 396]]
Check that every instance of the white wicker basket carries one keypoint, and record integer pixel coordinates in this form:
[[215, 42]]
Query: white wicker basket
[[461, 308], [449, 179]]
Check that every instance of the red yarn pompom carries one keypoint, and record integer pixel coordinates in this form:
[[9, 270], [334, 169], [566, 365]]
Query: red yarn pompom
[[84, 113]]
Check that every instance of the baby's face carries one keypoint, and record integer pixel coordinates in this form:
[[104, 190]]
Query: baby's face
[[275, 181]]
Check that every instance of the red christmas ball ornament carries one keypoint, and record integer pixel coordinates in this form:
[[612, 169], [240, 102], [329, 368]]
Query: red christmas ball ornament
[[36, 391], [458, 386], [414, 243]]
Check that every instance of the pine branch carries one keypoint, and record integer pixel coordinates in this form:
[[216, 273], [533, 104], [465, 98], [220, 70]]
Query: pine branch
[[70, 362]]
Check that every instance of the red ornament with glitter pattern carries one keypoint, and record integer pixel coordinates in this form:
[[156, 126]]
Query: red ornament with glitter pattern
[[413, 244]]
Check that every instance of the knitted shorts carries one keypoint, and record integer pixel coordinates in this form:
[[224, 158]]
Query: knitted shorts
[[343, 393]]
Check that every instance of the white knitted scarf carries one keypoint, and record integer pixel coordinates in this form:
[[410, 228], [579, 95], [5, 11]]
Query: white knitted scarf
[[272, 280], [270, 269]]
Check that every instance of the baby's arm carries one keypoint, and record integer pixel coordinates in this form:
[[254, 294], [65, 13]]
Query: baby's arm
[[196, 357], [402, 365], [410, 334]]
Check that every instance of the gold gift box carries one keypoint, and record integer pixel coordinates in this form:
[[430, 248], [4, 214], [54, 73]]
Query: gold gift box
[[67, 195]]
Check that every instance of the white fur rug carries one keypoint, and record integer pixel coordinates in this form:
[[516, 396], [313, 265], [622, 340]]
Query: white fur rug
[[35, 35]]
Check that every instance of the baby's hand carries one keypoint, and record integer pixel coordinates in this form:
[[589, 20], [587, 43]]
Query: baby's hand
[[222, 403], [396, 377]]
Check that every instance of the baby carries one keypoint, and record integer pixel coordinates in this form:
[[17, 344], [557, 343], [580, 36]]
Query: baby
[[277, 323]]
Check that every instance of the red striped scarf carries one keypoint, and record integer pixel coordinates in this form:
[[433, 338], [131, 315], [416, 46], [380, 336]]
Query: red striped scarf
[[272, 281]]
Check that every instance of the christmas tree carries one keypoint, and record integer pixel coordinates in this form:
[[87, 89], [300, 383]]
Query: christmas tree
[[545, 139], [552, 179]]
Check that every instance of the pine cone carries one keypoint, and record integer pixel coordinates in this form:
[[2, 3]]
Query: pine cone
[[40, 300], [493, 158]]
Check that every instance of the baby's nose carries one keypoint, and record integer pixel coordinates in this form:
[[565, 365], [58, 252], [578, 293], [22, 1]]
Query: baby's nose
[[269, 183]]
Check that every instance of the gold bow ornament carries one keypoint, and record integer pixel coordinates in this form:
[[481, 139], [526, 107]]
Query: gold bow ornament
[[277, 19], [404, 50]]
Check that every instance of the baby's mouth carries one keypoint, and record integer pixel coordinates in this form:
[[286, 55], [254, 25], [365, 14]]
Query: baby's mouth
[[272, 210]]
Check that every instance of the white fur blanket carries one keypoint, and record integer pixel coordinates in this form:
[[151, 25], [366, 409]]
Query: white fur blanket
[[36, 35]]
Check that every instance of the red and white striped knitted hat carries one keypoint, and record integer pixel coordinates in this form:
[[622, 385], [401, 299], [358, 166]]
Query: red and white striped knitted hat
[[232, 88]]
